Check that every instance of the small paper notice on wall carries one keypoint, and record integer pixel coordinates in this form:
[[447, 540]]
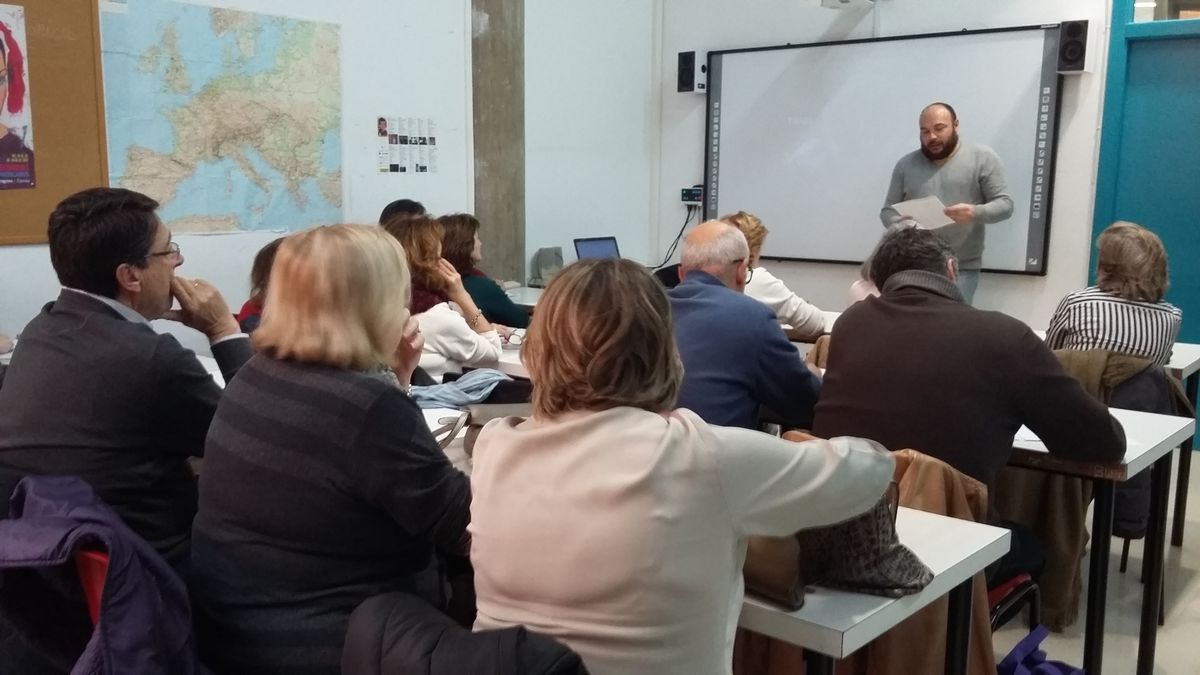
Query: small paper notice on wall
[[406, 144]]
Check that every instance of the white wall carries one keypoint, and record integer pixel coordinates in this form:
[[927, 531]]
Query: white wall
[[399, 58], [608, 140], [591, 123], [724, 24]]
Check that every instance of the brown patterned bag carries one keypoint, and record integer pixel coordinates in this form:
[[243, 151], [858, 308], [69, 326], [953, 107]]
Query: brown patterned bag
[[863, 554]]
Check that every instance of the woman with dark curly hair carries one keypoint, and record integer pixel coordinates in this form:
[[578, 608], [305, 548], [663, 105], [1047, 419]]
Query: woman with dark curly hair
[[462, 247]]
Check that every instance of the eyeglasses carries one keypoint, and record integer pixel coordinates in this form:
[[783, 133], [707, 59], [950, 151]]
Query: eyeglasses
[[515, 339], [749, 269], [172, 250]]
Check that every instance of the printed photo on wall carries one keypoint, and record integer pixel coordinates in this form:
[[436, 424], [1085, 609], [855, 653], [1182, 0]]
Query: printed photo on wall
[[406, 145], [16, 119]]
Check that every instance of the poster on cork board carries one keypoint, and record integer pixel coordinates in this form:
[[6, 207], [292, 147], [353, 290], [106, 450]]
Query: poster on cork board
[[16, 118]]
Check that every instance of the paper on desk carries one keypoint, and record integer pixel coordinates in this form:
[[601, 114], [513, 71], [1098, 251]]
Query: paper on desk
[[432, 415], [929, 212], [1024, 434]]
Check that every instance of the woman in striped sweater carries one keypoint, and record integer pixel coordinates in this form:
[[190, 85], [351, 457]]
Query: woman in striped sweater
[[1125, 311]]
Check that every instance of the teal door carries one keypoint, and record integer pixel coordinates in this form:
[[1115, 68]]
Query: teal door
[[1157, 163]]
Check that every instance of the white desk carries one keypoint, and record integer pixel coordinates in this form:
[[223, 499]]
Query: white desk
[[525, 297], [838, 623], [210, 364], [1185, 365], [1184, 361], [1150, 438], [510, 363], [455, 451], [830, 319]]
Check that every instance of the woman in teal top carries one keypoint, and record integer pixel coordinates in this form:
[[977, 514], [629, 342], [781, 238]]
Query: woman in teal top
[[461, 246]]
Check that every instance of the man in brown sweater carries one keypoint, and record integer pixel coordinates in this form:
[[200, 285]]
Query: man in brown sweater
[[918, 368]]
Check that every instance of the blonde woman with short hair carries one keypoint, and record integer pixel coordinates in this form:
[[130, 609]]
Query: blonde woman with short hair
[[615, 522], [1125, 311], [804, 317], [322, 484]]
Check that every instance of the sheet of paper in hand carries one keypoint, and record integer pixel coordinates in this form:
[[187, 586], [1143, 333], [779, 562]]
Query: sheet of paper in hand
[[929, 212]]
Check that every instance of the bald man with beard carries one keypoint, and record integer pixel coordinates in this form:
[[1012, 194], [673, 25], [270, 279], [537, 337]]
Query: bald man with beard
[[967, 177]]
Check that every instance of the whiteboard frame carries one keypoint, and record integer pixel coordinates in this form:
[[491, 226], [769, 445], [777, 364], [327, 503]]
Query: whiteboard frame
[[1050, 50]]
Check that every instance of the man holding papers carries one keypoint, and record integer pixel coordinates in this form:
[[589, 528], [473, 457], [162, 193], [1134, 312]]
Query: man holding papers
[[966, 176]]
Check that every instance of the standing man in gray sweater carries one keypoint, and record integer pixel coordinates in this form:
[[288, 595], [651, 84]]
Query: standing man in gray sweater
[[967, 177]]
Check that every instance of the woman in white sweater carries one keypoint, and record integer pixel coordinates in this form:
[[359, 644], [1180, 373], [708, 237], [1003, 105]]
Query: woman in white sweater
[[804, 318], [616, 523], [455, 330]]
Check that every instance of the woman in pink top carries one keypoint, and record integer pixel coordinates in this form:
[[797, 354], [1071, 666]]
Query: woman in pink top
[[617, 523]]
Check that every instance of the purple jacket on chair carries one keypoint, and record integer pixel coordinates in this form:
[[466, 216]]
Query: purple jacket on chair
[[145, 619]]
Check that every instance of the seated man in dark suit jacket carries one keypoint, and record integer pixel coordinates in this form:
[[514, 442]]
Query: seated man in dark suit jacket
[[919, 368], [736, 357], [94, 391]]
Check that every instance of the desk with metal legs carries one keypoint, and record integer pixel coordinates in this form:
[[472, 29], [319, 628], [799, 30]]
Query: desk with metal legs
[[1185, 365], [1150, 438], [835, 624]]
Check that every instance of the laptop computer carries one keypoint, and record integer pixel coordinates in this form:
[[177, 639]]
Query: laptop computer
[[596, 247]]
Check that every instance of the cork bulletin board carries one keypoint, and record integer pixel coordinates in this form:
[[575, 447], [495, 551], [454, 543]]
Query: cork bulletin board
[[64, 120]]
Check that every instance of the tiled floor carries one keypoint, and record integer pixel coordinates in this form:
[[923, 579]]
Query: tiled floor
[[1178, 651]]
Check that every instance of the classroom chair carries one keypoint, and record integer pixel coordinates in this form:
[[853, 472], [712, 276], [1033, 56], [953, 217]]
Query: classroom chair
[[1006, 600], [93, 570], [668, 276]]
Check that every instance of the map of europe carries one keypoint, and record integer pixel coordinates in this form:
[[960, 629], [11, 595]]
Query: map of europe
[[230, 119]]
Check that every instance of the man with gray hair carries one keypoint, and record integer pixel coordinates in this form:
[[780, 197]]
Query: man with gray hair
[[736, 357]]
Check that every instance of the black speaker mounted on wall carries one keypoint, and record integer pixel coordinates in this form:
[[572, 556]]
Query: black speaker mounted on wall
[[1072, 46], [686, 73], [691, 76]]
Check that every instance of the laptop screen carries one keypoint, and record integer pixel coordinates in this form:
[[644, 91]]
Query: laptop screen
[[596, 247]]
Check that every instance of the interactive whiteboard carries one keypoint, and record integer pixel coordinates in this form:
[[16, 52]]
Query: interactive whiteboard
[[806, 136]]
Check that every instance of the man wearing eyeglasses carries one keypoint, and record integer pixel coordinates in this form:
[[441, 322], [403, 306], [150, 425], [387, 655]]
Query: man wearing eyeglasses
[[94, 391], [736, 357]]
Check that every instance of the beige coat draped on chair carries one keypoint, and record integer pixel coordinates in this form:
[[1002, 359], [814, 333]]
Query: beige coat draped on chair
[[916, 646]]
